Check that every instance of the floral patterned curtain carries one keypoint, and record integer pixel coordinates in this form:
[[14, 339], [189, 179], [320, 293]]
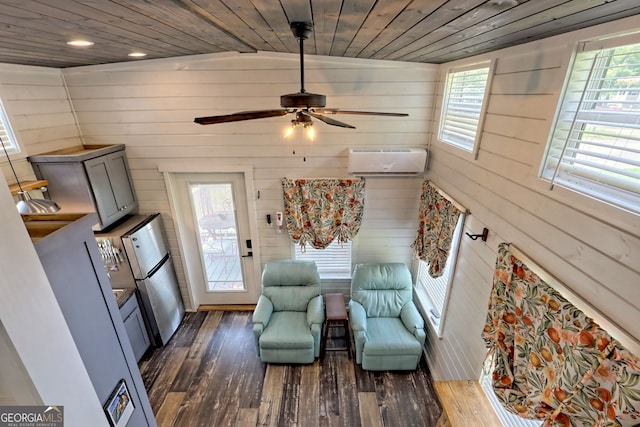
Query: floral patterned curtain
[[317, 211], [551, 361], [437, 219]]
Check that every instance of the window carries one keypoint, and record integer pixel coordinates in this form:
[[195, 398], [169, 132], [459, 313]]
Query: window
[[434, 292], [334, 262], [508, 419], [595, 144], [462, 107], [6, 134]]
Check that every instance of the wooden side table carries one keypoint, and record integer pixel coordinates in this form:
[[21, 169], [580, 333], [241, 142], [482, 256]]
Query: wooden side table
[[336, 315]]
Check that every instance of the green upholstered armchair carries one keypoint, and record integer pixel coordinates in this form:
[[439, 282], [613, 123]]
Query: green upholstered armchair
[[387, 328], [287, 321]]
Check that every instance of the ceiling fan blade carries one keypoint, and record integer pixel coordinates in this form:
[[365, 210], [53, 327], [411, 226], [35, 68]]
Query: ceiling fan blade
[[327, 120], [243, 115], [364, 113]]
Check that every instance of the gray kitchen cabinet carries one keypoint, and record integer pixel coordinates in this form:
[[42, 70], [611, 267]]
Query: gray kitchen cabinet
[[89, 178], [135, 327], [68, 252]]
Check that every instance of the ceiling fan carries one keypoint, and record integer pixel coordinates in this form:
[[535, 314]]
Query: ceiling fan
[[303, 104]]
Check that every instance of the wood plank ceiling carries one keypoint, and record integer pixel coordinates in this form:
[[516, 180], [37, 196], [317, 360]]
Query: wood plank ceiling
[[35, 32]]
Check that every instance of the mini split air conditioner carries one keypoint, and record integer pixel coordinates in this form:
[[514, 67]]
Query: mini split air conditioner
[[387, 161]]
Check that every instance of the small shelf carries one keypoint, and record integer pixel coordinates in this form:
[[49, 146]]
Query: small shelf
[[28, 186]]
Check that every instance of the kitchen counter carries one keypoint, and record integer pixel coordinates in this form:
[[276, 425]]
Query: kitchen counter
[[40, 226], [123, 295]]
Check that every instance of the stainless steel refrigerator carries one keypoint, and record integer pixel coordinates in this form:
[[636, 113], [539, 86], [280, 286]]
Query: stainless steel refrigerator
[[150, 271]]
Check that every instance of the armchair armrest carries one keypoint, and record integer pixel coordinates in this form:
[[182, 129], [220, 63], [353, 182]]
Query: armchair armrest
[[358, 324], [357, 316], [263, 311], [315, 311], [315, 318], [413, 321], [261, 316]]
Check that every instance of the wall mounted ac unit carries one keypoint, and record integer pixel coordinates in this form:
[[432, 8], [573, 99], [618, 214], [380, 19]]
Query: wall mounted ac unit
[[387, 161]]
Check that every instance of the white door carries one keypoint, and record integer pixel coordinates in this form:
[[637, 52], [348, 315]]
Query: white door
[[213, 223]]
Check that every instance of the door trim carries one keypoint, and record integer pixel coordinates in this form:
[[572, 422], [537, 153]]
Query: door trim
[[176, 166]]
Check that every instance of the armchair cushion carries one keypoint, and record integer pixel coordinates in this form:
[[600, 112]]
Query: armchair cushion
[[290, 284], [287, 329], [382, 288], [387, 336]]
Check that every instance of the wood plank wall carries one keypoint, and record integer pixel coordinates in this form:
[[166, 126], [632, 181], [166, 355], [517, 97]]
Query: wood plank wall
[[40, 113], [150, 106], [591, 247]]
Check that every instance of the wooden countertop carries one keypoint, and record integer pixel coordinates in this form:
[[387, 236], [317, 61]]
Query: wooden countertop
[[28, 186]]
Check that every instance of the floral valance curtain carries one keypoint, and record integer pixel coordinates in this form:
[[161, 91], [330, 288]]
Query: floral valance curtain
[[551, 361], [317, 211], [437, 219]]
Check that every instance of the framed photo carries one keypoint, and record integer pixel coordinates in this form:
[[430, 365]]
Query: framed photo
[[119, 407]]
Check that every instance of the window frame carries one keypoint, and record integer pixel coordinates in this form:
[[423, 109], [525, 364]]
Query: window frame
[[340, 248], [444, 108], [579, 179], [6, 131], [423, 293]]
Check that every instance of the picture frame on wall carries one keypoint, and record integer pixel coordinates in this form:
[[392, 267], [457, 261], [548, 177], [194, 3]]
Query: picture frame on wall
[[119, 407]]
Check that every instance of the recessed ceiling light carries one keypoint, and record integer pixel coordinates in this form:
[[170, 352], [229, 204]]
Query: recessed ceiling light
[[137, 54], [80, 43]]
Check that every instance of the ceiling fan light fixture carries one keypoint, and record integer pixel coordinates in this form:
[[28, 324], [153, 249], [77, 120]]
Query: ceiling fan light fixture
[[301, 120], [290, 129], [310, 131]]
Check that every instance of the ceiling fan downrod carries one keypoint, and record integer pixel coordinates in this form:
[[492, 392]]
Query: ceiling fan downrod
[[301, 31], [302, 99]]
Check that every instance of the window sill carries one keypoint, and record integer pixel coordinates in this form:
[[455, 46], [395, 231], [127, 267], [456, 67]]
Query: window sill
[[335, 277], [424, 306]]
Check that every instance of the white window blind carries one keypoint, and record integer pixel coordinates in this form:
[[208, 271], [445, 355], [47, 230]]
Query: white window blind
[[462, 107], [437, 289], [508, 419], [334, 262], [595, 144], [6, 134]]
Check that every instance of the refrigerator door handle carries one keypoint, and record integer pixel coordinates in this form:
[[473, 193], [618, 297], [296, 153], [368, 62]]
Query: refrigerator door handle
[[159, 265]]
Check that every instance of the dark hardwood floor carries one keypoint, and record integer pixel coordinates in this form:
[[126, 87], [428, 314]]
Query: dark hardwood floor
[[209, 374]]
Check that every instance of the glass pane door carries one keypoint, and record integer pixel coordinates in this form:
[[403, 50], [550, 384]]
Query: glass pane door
[[214, 213]]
